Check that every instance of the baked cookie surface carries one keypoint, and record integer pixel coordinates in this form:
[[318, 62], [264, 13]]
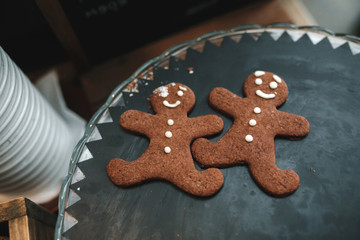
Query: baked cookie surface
[[250, 140], [168, 155]]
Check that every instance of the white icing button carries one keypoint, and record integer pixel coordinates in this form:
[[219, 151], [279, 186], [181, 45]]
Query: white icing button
[[167, 149], [180, 93], [249, 138], [259, 73], [277, 78], [257, 110], [273, 85], [252, 122], [170, 122], [168, 134], [258, 81]]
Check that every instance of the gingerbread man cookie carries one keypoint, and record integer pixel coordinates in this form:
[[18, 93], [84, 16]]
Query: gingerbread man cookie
[[168, 156], [250, 140]]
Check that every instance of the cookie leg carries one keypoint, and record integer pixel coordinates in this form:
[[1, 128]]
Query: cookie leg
[[203, 184], [124, 173], [277, 182], [212, 154]]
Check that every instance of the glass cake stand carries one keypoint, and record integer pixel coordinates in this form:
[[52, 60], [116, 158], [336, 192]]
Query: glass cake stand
[[270, 217]]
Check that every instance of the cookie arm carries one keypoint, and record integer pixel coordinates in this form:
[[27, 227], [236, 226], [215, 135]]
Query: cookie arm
[[206, 125], [224, 100], [136, 121], [293, 126]]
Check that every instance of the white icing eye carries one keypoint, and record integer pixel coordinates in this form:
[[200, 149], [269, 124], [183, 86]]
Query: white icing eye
[[182, 88], [180, 93], [277, 78], [273, 85], [258, 81]]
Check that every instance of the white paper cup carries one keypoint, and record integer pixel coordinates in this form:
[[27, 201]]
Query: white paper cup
[[36, 141]]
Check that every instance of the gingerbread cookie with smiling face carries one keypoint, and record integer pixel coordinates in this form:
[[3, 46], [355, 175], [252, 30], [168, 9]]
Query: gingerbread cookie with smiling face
[[250, 140], [168, 156]]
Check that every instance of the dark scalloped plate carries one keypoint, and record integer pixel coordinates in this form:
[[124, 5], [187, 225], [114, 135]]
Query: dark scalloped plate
[[321, 71]]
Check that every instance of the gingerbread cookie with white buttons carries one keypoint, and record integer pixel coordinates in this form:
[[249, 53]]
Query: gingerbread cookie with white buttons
[[168, 156], [250, 140]]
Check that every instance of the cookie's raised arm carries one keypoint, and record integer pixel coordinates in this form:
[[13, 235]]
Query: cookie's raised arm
[[136, 121], [206, 125], [293, 126], [224, 101]]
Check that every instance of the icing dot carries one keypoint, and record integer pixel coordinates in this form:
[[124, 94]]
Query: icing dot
[[277, 78], [180, 93], [170, 122], [252, 122], [258, 81], [273, 85], [168, 134], [182, 88], [257, 110], [249, 138], [167, 149], [259, 73]]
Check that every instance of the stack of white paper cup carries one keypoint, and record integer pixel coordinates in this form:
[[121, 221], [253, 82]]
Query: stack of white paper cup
[[35, 141]]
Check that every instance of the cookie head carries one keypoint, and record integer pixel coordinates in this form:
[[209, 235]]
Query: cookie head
[[173, 97], [266, 86]]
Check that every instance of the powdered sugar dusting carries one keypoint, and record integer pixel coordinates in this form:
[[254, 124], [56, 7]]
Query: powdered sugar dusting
[[162, 91]]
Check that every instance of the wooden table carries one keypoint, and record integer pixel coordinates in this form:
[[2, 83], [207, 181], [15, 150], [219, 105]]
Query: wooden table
[[21, 219]]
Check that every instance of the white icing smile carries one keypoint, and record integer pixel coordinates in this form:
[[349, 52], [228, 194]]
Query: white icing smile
[[171, 105], [265, 95]]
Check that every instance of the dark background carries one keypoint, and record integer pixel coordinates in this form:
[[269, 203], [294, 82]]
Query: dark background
[[105, 28], [27, 37]]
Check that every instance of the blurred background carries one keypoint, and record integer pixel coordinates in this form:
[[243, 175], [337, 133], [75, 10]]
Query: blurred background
[[91, 46], [96, 44]]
